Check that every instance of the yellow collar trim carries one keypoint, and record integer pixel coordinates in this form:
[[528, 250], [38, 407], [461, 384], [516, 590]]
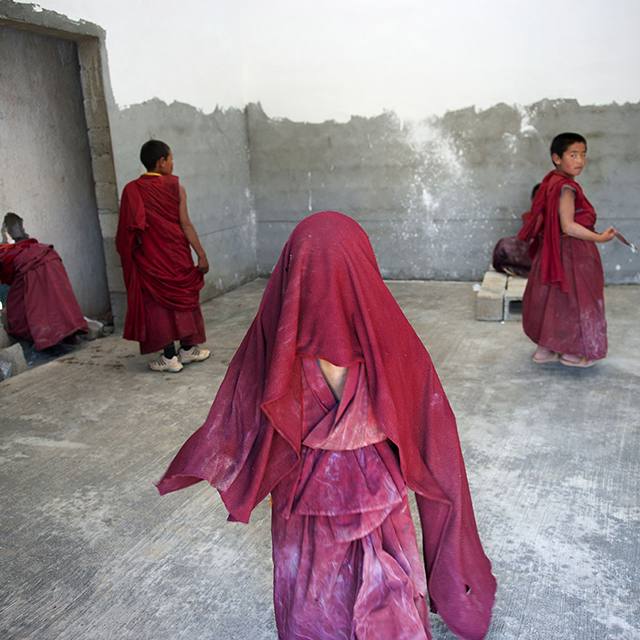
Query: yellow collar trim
[[151, 173]]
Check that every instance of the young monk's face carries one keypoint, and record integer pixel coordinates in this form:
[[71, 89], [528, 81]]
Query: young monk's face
[[573, 159]]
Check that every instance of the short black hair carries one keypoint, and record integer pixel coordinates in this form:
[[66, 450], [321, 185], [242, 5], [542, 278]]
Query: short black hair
[[563, 141], [14, 226], [535, 190], [152, 151]]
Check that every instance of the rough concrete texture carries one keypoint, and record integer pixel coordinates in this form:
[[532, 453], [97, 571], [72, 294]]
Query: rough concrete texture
[[89, 550], [211, 158], [12, 361], [45, 164], [436, 195]]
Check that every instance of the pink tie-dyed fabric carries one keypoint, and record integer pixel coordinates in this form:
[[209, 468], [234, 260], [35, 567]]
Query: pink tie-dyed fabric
[[345, 554]]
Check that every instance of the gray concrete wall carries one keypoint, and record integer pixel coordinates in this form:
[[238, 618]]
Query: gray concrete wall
[[45, 160], [436, 195], [211, 155]]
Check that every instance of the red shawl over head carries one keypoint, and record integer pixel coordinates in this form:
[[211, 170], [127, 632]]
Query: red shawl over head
[[156, 257], [545, 215], [326, 299]]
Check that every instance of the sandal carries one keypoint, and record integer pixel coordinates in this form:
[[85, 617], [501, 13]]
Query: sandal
[[551, 358], [583, 363]]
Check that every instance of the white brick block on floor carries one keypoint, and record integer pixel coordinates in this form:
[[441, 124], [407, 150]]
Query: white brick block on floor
[[490, 298], [513, 298], [494, 280]]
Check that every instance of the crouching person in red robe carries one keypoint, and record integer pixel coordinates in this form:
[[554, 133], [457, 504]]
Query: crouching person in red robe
[[333, 406], [563, 304], [41, 305], [163, 284], [511, 255]]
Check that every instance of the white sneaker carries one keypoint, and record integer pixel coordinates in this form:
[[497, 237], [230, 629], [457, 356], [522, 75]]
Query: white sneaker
[[195, 354], [172, 365]]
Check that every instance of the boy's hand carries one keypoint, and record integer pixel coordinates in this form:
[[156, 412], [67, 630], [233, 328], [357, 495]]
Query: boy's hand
[[607, 235], [203, 264]]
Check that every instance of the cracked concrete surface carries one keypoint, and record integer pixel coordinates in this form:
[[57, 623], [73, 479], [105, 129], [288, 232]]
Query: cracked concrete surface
[[89, 550]]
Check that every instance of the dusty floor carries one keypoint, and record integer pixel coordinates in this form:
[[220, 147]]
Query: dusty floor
[[88, 549]]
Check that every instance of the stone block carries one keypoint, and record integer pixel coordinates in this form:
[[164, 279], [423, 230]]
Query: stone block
[[108, 223], [95, 330], [103, 169], [489, 305], [12, 361], [118, 309], [513, 298], [115, 278], [490, 299], [100, 141], [107, 196], [95, 110], [494, 280], [5, 339], [111, 255]]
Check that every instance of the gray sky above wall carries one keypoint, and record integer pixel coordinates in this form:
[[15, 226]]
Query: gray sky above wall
[[311, 61]]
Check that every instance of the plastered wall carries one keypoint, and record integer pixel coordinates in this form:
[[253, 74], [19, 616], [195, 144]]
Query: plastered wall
[[436, 195], [45, 161], [211, 157]]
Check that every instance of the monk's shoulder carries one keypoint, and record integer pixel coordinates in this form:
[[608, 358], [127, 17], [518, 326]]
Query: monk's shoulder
[[172, 184]]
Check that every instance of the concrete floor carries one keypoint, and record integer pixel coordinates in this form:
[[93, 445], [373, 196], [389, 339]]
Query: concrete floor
[[90, 551]]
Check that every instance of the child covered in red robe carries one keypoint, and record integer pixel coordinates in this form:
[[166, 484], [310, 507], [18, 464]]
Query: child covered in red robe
[[333, 406], [563, 304], [153, 239]]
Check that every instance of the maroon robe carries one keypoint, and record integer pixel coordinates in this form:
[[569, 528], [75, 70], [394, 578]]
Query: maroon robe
[[563, 304], [41, 305], [512, 254], [326, 299], [370, 581], [163, 284]]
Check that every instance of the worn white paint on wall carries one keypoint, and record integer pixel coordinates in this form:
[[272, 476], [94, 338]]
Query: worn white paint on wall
[[312, 61], [436, 195]]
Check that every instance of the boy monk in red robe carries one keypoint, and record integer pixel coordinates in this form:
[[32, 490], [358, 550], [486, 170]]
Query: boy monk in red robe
[[563, 304], [332, 405], [163, 284], [41, 305]]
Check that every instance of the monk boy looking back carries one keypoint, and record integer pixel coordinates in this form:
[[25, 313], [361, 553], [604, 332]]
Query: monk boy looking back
[[163, 284], [563, 304]]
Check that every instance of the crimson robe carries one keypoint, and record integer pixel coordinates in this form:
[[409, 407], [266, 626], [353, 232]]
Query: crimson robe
[[326, 299], [41, 305], [361, 525], [563, 304], [512, 253], [162, 281]]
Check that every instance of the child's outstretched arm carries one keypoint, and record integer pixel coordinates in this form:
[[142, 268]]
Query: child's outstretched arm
[[575, 229], [190, 232]]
